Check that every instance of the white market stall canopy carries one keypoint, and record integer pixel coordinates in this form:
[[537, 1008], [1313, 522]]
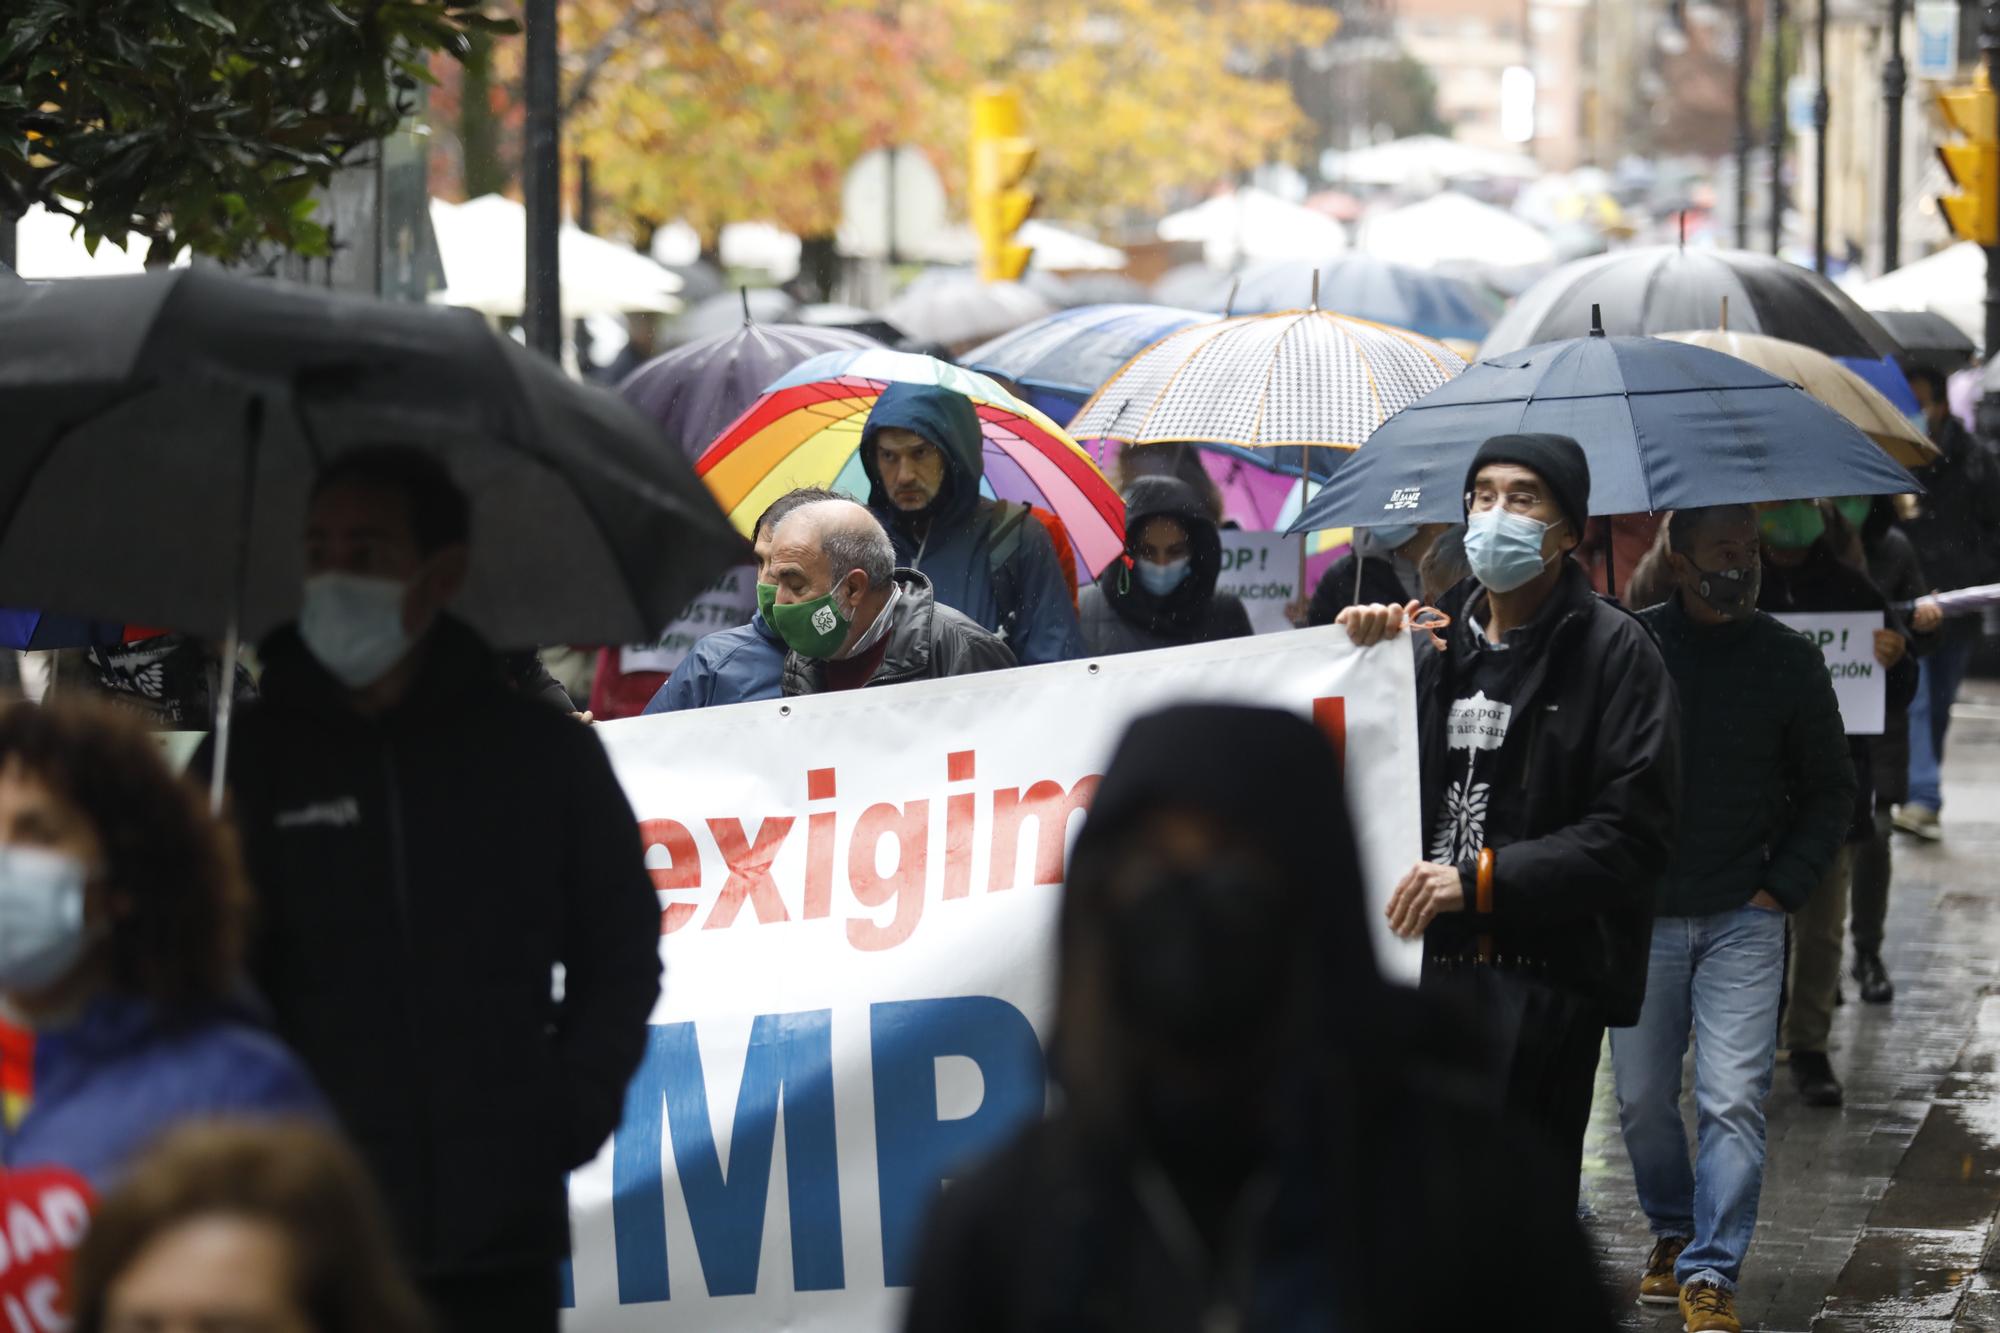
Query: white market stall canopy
[[1255, 224], [484, 243]]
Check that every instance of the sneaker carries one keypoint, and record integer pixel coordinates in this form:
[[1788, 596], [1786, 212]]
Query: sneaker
[[1919, 821], [1707, 1308], [1659, 1286], [1812, 1075], [1873, 978]]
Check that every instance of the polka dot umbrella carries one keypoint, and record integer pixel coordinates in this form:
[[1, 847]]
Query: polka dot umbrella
[[806, 431]]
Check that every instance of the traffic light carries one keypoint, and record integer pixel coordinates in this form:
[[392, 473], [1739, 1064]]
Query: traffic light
[[1000, 203], [1973, 163]]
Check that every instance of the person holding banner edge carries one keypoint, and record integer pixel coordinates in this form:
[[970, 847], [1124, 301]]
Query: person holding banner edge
[[1549, 764]]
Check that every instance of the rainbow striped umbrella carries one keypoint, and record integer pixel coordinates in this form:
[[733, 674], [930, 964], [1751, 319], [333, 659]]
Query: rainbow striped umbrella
[[806, 431]]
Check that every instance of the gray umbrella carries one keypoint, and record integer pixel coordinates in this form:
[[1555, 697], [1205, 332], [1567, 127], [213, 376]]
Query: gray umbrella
[[163, 431]]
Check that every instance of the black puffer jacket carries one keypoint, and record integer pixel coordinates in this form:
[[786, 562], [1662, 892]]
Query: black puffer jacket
[[927, 641], [418, 877], [1120, 616], [1593, 764]]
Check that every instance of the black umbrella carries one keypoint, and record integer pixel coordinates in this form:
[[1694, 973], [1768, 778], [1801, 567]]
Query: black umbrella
[[693, 392], [1928, 339], [163, 432], [1666, 289]]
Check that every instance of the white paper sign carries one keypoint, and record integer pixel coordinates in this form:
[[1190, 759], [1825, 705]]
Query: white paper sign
[[1262, 569], [858, 903], [1848, 640], [729, 602]]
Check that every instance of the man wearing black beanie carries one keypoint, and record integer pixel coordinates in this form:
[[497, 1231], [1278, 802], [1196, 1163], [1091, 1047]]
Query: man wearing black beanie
[[1550, 771]]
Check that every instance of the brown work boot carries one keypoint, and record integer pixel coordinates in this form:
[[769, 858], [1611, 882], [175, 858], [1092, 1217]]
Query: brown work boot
[[1707, 1308], [1660, 1286]]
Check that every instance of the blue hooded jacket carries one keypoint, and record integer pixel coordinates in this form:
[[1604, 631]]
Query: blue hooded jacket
[[122, 1074], [1026, 600], [730, 666]]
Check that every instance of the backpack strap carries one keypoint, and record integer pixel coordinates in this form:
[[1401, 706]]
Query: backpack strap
[[1003, 543]]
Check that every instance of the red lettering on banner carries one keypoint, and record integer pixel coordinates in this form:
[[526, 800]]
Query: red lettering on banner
[[911, 828], [44, 1212], [960, 815], [682, 870], [820, 786], [749, 870], [1330, 716], [1051, 807]]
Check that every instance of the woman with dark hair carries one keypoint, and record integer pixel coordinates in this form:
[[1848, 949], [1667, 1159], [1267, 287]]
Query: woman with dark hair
[[121, 928], [268, 1227], [1161, 592]]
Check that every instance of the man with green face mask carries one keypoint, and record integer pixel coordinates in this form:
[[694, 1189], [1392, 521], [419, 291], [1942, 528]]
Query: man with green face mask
[[850, 618]]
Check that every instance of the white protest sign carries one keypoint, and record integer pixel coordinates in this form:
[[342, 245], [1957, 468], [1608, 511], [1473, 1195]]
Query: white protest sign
[[729, 602], [1848, 640], [859, 895], [1262, 569]]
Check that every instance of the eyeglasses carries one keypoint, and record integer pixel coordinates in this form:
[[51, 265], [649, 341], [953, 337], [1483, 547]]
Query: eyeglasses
[[1514, 502]]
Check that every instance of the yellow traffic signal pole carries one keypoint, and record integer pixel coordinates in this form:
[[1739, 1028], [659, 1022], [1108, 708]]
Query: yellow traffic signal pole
[[999, 199], [1972, 161]]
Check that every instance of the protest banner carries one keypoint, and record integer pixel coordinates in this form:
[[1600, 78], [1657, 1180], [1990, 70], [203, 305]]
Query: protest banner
[[1262, 569], [858, 901], [729, 602], [1848, 640]]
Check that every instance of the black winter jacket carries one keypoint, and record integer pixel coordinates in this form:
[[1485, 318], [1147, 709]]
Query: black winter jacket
[[1957, 527], [927, 641], [1118, 615], [1594, 753], [1767, 787], [1335, 591], [418, 877]]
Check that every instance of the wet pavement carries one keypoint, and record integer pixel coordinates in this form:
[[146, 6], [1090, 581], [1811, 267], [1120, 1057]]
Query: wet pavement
[[1879, 1215]]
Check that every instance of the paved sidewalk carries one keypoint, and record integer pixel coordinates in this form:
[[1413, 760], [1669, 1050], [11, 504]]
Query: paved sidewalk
[[1830, 1170]]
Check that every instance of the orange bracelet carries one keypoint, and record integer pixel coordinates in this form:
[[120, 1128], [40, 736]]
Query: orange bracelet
[[1483, 899]]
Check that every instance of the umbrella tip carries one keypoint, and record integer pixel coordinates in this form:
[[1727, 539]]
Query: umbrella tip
[[744, 293], [1315, 297], [1596, 320], [1684, 228], [1725, 312], [1229, 306]]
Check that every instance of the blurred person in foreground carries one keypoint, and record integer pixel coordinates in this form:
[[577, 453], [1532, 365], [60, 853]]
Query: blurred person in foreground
[[1161, 592], [850, 618], [1235, 1149], [1764, 805], [428, 844], [747, 663], [230, 1227], [990, 560], [122, 912], [1813, 563], [1956, 530], [1549, 766], [1385, 561]]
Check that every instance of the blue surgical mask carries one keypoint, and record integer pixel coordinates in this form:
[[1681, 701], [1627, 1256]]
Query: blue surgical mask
[[1393, 535], [1505, 549], [42, 933], [1160, 580], [354, 625]]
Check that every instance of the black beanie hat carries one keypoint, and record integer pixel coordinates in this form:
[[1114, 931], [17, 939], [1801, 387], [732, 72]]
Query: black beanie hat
[[1556, 459]]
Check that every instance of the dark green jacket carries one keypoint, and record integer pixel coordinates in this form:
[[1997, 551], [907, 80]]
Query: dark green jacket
[[1767, 788]]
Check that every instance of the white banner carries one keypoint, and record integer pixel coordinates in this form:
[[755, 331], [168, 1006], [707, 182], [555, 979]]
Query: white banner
[[1261, 568], [859, 894], [729, 602], [1848, 640]]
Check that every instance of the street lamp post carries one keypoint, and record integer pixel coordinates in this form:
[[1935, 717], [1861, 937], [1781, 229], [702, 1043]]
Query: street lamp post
[[1989, 48], [1895, 82], [541, 307], [1821, 115], [1742, 124], [1775, 21]]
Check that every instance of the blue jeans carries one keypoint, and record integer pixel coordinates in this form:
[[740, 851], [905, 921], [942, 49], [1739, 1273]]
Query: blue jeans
[[1938, 679], [1721, 976]]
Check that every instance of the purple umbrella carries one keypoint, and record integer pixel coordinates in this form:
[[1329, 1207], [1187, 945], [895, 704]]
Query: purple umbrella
[[695, 391]]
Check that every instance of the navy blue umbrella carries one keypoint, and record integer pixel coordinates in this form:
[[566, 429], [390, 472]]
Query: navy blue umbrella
[[1665, 426], [1436, 305], [695, 391], [1059, 361]]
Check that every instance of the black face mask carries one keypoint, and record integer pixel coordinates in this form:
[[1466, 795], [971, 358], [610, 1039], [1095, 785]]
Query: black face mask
[[1729, 592], [1200, 960]]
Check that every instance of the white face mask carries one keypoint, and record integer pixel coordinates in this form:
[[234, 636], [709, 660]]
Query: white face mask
[[354, 625], [41, 916]]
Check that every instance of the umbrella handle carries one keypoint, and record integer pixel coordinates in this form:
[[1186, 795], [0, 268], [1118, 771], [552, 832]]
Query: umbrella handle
[[232, 639]]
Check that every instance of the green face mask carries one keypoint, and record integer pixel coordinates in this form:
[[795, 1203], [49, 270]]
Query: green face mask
[[1792, 527], [810, 629], [767, 597], [1854, 509]]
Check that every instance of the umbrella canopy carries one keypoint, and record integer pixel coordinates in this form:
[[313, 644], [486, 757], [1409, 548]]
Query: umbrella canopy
[[1662, 288], [1254, 224], [1060, 361], [1928, 338], [1302, 378], [853, 318], [1099, 288], [1195, 287], [1951, 282], [957, 308], [1425, 159], [1664, 424], [483, 245], [696, 390], [806, 431], [1827, 380], [728, 311], [1887, 378], [31, 631], [164, 430], [1369, 287], [1455, 229]]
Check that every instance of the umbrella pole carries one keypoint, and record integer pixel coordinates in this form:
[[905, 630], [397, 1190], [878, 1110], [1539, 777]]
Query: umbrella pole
[[232, 639]]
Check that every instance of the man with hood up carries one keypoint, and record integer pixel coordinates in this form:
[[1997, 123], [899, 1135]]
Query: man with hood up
[[1161, 592], [989, 559], [1258, 1130]]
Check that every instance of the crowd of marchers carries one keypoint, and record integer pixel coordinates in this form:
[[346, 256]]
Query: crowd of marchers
[[308, 1060]]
